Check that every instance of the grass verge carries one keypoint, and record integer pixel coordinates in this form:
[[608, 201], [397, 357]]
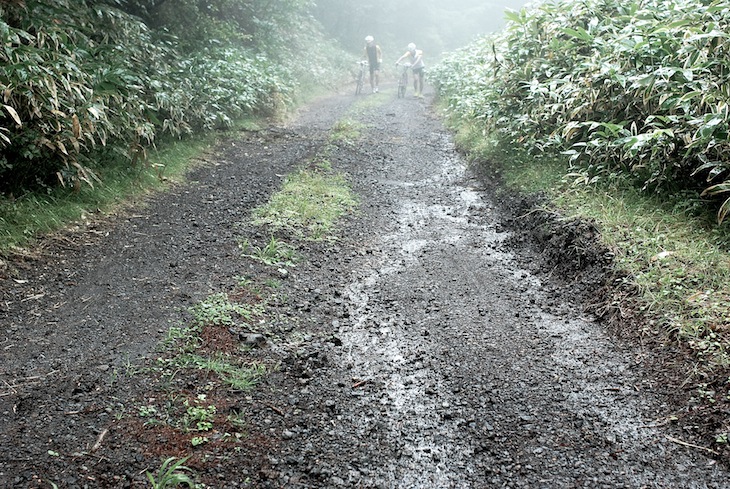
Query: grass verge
[[34, 214]]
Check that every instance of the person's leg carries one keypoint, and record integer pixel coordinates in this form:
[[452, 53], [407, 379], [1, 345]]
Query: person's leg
[[377, 79]]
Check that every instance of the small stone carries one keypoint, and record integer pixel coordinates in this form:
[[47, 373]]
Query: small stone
[[254, 339]]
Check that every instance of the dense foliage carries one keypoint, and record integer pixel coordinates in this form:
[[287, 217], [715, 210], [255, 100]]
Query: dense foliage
[[85, 82], [626, 89], [258, 24]]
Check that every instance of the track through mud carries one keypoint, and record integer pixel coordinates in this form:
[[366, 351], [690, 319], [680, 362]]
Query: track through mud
[[420, 350]]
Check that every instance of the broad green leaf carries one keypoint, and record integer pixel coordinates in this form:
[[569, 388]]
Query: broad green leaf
[[672, 26], [578, 33], [717, 189], [514, 16], [94, 112]]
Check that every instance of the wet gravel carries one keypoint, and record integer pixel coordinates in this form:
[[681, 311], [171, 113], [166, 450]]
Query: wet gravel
[[421, 350]]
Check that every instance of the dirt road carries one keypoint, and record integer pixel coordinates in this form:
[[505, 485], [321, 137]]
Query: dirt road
[[418, 351]]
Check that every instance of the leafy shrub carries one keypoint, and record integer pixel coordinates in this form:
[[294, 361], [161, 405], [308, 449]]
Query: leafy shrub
[[83, 82], [67, 91], [636, 89]]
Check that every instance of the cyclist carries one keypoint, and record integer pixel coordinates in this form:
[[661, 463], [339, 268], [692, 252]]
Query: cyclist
[[374, 56], [415, 57]]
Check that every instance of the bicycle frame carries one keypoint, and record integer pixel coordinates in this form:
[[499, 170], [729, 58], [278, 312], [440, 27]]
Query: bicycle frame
[[360, 80], [403, 80]]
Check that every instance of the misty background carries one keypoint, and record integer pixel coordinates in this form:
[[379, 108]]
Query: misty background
[[436, 26], [193, 66]]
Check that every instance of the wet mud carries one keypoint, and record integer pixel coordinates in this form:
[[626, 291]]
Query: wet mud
[[423, 349]]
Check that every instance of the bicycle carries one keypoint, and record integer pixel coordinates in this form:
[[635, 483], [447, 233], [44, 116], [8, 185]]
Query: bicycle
[[360, 77], [403, 80]]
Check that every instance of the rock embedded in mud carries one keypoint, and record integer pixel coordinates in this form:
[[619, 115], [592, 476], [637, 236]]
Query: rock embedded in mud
[[253, 339]]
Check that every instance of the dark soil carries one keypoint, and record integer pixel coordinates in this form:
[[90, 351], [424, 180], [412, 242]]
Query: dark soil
[[449, 339]]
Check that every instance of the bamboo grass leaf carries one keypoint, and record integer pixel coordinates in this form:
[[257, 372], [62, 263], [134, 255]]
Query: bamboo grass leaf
[[723, 211], [14, 114], [4, 137], [514, 16], [671, 27], [76, 126], [720, 188]]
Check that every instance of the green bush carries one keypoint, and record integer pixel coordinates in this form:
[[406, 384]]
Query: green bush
[[83, 83], [637, 90], [66, 90]]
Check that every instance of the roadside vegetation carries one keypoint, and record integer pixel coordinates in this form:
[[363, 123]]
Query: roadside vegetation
[[618, 112], [107, 97]]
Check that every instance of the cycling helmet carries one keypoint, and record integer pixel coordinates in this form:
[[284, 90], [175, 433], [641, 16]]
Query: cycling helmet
[[369, 39], [411, 47]]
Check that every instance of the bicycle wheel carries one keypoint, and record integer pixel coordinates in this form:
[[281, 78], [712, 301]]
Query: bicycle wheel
[[358, 84]]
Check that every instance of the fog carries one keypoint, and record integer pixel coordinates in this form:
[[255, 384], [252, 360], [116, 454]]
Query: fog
[[436, 26]]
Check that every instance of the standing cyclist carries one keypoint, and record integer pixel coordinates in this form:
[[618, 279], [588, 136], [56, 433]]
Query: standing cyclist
[[416, 59], [374, 57]]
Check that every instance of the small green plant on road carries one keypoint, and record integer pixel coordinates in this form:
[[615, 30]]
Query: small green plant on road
[[274, 253], [198, 416], [347, 131], [171, 475], [238, 377], [218, 310]]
